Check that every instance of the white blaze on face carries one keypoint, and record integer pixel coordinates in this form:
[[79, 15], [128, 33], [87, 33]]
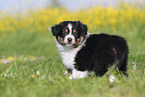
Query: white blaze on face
[[70, 35]]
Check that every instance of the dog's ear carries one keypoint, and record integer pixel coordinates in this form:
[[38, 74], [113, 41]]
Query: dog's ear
[[82, 27], [55, 30]]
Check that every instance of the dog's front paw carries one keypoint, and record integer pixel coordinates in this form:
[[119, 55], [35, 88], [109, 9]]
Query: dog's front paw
[[66, 73], [70, 77]]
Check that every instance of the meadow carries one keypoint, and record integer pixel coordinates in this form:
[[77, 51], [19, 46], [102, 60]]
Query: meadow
[[30, 65]]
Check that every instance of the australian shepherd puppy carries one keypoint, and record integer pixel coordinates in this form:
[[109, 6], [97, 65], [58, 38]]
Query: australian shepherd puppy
[[83, 53]]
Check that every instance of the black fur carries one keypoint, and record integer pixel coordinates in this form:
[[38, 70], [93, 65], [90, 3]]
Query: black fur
[[59, 28], [100, 52]]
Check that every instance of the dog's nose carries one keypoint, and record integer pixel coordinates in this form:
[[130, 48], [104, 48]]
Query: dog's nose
[[69, 39]]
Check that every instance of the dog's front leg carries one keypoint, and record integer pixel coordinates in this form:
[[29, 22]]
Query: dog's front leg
[[78, 74]]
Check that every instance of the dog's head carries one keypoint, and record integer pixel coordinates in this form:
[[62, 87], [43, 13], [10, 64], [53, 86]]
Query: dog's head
[[70, 33]]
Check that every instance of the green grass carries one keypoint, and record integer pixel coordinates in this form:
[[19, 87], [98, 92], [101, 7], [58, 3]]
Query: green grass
[[52, 82]]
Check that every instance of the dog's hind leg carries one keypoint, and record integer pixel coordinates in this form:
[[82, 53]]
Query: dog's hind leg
[[123, 68], [78, 74]]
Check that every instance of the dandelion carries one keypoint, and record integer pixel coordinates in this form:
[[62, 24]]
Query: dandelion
[[32, 76], [10, 58], [31, 58]]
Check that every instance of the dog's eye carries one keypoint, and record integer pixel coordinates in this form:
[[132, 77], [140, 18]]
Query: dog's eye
[[75, 32], [65, 31]]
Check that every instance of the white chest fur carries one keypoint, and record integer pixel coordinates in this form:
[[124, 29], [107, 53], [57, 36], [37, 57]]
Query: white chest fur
[[68, 55]]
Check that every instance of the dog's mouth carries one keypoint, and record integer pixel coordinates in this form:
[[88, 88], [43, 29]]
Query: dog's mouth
[[71, 44], [75, 43]]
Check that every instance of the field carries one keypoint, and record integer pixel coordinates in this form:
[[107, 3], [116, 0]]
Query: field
[[30, 65]]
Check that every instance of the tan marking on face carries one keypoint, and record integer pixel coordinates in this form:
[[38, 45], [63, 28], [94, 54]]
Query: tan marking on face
[[74, 30], [60, 40], [79, 41], [66, 30]]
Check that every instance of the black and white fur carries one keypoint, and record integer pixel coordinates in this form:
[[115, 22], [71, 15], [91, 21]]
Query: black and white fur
[[83, 53]]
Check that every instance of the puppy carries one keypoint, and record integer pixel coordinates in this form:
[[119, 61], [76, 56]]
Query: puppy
[[84, 53]]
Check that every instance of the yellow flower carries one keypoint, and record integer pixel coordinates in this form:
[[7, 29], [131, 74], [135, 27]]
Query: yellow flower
[[32, 76], [30, 57], [0, 61], [95, 17], [10, 58]]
